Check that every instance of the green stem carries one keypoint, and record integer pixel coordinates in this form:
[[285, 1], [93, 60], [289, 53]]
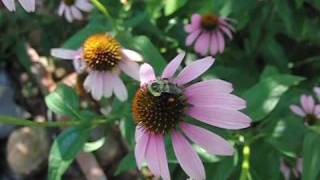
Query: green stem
[[245, 166], [101, 8], [24, 122]]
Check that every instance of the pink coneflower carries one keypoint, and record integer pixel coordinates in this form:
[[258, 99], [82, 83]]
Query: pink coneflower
[[28, 5], [207, 33], [71, 9], [308, 110], [161, 104], [104, 58]]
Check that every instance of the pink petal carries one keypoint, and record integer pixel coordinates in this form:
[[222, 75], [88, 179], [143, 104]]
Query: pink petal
[[28, 5], [220, 117], [79, 65], [68, 14], [76, 13], [221, 42], [202, 43], [210, 86], [156, 157], [226, 31], [107, 84], [139, 132], [195, 23], [88, 82], [209, 141], [146, 74], [97, 85], [311, 104], [64, 53], [214, 43], [172, 67], [187, 157], [132, 55], [61, 9], [222, 100], [130, 68], [141, 148], [297, 110], [307, 103], [192, 37], [83, 5], [194, 70], [9, 4], [317, 91], [285, 170], [119, 88], [226, 24]]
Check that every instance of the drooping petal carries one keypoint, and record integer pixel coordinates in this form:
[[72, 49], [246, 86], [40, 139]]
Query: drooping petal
[[119, 88], [28, 5], [130, 68], [146, 74], [68, 14], [107, 84], [209, 141], [304, 103], [89, 81], [64, 53], [297, 110], [311, 104], [226, 31], [79, 65], [222, 100], [209, 86], [172, 67], [141, 148], [156, 157], [202, 43], [132, 55], [221, 42], [9, 5], [226, 24], [317, 91], [317, 110], [192, 37], [194, 70], [214, 43], [220, 117], [97, 85], [138, 133], [76, 13], [61, 9], [285, 170], [187, 157], [195, 23], [83, 5]]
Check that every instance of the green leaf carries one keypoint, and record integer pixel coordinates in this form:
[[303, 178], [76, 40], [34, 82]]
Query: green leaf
[[64, 149], [23, 57], [127, 163], [171, 6], [263, 97], [311, 156], [64, 101], [93, 146]]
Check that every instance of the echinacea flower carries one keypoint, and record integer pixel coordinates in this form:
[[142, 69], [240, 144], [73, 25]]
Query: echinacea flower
[[207, 33], [71, 9], [104, 59], [159, 108], [287, 171], [308, 110], [28, 5]]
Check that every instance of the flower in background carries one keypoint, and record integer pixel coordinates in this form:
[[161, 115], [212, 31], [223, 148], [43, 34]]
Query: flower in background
[[207, 33], [28, 5], [71, 9], [308, 110], [104, 58], [161, 104], [287, 170]]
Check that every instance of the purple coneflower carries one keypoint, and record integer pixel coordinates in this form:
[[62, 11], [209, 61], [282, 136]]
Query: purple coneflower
[[161, 105], [207, 33], [71, 9], [28, 5], [104, 58], [308, 110]]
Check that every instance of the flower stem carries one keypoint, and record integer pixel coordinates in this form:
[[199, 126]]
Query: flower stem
[[245, 166]]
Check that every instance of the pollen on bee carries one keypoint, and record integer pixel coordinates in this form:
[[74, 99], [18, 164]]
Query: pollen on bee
[[101, 52]]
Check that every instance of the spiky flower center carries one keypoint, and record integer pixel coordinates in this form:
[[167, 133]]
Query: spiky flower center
[[159, 106], [101, 52], [69, 2], [311, 119], [209, 22]]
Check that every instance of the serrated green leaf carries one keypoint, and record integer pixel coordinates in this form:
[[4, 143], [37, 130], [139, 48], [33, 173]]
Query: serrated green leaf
[[64, 101], [64, 149]]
